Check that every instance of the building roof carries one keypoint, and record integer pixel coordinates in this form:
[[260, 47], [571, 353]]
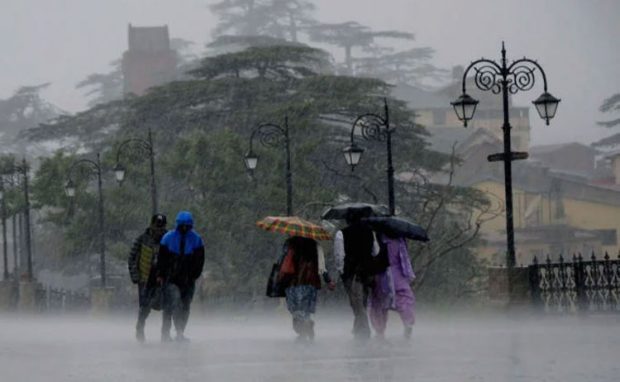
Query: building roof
[[148, 39], [545, 149], [442, 139]]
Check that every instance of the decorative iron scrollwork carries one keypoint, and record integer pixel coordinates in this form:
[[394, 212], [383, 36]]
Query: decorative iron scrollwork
[[372, 127], [271, 135], [522, 78], [488, 77]]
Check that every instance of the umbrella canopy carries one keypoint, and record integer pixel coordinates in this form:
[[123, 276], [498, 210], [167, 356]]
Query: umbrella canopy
[[362, 210], [397, 227], [293, 226]]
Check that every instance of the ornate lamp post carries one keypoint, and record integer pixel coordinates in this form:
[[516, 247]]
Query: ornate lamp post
[[23, 169], [374, 127], [8, 179], [144, 147], [94, 168], [272, 135], [506, 79], [5, 255]]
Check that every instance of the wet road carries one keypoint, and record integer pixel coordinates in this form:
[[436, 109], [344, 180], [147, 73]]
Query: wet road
[[232, 348]]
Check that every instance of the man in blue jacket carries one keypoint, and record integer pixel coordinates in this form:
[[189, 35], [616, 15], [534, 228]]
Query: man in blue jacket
[[181, 258]]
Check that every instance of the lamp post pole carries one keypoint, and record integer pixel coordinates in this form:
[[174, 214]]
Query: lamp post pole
[[374, 127], [95, 168], [272, 135], [506, 79], [144, 145], [24, 169], [5, 254]]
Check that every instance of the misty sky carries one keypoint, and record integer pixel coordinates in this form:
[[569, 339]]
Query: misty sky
[[576, 42]]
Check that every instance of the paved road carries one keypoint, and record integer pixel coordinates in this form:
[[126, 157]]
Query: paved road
[[451, 349]]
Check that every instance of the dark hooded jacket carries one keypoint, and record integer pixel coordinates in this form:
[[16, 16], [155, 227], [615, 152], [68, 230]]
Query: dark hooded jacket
[[181, 254], [143, 258]]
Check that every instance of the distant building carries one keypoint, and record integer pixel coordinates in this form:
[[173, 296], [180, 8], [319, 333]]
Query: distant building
[[571, 157], [556, 211], [149, 61], [433, 110]]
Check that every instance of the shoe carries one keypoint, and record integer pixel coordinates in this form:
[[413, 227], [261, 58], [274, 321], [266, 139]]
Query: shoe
[[181, 338], [408, 331], [140, 335], [310, 330], [166, 337]]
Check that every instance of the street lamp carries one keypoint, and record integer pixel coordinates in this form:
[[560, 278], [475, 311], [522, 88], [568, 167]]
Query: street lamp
[[144, 147], [94, 168], [506, 79], [23, 170], [5, 253], [272, 135], [8, 179], [374, 127]]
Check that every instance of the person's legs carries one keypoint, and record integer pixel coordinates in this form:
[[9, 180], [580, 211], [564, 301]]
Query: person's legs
[[377, 312], [181, 314], [301, 303], [144, 308], [358, 296], [172, 299], [405, 305]]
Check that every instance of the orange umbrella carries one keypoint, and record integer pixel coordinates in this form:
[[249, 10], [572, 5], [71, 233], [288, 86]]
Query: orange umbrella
[[293, 226]]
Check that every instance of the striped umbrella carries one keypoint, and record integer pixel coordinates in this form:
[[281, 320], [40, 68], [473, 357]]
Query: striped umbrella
[[293, 226]]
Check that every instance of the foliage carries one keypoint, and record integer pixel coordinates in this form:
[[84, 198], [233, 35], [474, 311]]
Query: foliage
[[611, 104], [411, 66], [281, 19], [201, 128], [351, 34], [23, 110], [104, 87]]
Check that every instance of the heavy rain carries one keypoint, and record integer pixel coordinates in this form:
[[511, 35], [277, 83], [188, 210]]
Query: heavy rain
[[305, 190]]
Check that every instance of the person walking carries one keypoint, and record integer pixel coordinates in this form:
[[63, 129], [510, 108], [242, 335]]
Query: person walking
[[392, 289], [181, 259], [300, 273], [142, 262], [355, 248]]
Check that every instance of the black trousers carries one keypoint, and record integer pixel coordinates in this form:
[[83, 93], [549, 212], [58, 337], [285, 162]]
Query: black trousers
[[177, 301], [358, 290], [145, 295]]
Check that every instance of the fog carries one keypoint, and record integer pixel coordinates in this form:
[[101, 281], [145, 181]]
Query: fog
[[455, 347], [62, 41], [75, 206]]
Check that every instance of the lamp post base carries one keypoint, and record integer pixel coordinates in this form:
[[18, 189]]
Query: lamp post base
[[509, 287], [27, 296], [101, 299], [7, 295]]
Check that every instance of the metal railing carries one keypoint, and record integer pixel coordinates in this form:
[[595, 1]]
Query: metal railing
[[580, 285]]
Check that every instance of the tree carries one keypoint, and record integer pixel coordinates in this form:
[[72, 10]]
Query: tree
[[104, 87], [278, 18], [611, 104], [202, 126], [411, 66], [351, 35], [23, 110]]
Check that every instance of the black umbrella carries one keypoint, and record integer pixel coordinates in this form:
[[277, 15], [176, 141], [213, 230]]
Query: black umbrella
[[397, 227], [361, 210]]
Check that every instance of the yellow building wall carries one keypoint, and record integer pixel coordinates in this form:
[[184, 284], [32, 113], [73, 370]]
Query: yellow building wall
[[577, 213]]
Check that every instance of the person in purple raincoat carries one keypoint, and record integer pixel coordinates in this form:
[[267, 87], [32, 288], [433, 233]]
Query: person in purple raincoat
[[392, 288]]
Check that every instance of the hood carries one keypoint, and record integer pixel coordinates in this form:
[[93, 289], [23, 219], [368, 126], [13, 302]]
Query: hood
[[185, 218]]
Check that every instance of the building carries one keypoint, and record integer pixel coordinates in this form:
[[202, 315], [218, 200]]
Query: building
[[573, 157], [556, 212], [149, 61], [433, 110]]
